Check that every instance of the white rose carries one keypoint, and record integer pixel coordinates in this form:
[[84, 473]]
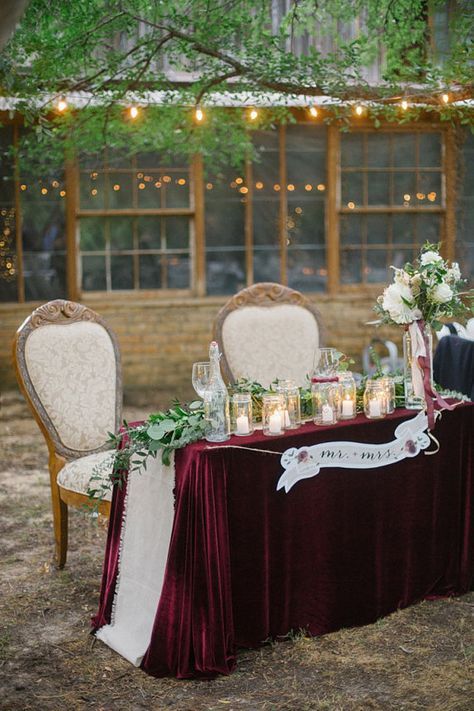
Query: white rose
[[393, 302], [430, 258], [441, 294], [401, 276], [454, 274]]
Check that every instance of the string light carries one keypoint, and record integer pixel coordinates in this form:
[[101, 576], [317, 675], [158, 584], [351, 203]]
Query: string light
[[351, 205], [359, 110], [239, 181], [199, 114], [313, 111], [133, 111], [253, 114], [321, 187], [404, 104], [445, 98], [290, 187], [308, 187], [61, 105], [259, 185]]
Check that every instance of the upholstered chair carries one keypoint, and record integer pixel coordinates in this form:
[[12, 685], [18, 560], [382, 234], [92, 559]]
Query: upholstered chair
[[268, 331], [68, 367]]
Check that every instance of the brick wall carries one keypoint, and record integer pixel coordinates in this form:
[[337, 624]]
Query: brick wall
[[159, 340]]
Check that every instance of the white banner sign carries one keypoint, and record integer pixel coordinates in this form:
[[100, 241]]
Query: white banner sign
[[305, 462]]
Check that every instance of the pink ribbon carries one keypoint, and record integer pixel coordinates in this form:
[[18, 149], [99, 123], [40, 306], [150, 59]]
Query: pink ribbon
[[430, 393], [328, 379]]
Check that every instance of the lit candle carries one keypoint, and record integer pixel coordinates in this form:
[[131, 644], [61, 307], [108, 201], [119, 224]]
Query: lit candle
[[327, 414], [274, 423], [242, 425], [374, 408], [347, 407]]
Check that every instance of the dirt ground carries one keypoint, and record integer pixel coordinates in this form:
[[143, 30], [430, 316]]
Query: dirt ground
[[418, 658]]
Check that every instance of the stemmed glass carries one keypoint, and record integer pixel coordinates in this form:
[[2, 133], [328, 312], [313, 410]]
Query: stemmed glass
[[200, 377], [325, 361]]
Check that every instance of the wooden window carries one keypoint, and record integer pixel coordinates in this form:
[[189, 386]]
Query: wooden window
[[135, 225], [390, 199]]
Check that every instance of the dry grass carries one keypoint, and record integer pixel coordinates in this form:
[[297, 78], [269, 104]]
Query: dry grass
[[419, 658]]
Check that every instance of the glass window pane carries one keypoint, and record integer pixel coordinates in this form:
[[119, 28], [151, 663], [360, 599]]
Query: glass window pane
[[120, 233], [404, 149], [149, 232], [403, 229], [45, 275], [404, 189], [224, 211], [150, 271], [179, 271], [176, 192], [266, 264], [177, 232], [225, 271], [266, 222], [378, 229], [378, 150], [428, 228], [377, 267], [429, 189], [119, 191], [93, 274], [352, 150], [430, 150], [121, 271], [401, 256], [352, 189], [8, 265], [351, 229], [150, 192], [307, 268], [92, 234], [92, 190], [351, 266], [378, 188]]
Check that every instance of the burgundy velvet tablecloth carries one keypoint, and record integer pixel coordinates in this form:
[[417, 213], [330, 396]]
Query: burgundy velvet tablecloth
[[340, 549]]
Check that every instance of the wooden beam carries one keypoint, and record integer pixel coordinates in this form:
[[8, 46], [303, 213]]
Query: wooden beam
[[72, 199], [20, 280], [249, 223], [199, 226], [332, 206], [283, 211], [449, 160]]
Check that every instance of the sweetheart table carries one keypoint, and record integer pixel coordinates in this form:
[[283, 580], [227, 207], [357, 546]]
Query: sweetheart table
[[205, 555]]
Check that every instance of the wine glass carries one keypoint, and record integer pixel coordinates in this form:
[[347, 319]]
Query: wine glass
[[326, 360], [200, 378]]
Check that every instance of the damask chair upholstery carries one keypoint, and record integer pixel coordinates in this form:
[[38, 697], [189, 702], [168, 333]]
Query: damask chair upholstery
[[268, 331], [67, 364]]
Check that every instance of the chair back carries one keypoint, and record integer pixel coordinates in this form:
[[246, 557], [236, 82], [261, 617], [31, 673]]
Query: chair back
[[268, 331], [68, 366]]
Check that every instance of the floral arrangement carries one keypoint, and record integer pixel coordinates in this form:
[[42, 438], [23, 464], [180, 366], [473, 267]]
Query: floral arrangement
[[428, 290]]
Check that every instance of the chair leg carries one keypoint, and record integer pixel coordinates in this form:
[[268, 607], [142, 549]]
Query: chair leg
[[60, 514]]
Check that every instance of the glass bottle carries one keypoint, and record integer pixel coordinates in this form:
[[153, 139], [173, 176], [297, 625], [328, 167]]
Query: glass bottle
[[216, 401]]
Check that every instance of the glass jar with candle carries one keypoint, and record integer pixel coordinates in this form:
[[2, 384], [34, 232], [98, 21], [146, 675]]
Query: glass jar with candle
[[325, 395], [374, 399], [389, 385], [273, 414], [242, 419], [291, 393], [347, 396]]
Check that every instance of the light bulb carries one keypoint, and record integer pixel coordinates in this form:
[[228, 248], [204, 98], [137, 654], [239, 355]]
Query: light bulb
[[62, 105], [133, 112], [404, 104], [445, 98], [313, 111], [199, 114], [359, 110], [253, 114]]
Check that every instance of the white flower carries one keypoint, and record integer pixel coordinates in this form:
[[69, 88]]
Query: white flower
[[454, 274], [394, 298], [430, 258], [401, 276], [441, 294]]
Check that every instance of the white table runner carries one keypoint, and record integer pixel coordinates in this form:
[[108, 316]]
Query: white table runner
[[146, 532]]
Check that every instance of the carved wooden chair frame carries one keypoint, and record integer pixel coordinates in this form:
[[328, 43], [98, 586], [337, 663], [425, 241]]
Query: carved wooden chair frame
[[61, 312], [266, 294]]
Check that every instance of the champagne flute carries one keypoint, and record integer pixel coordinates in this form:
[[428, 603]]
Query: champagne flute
[[200, 377]]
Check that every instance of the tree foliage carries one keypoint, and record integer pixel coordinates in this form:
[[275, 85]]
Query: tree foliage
[[106, 54]]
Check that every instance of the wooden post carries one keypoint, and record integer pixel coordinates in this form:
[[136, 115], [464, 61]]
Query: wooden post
[[249, 223], [283, 212], [199, 228], [332, 206], [72, 194], [20, 281], [449, 165]]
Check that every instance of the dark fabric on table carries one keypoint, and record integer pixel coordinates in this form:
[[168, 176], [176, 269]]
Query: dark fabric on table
[[453, 364], [340, 549]]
